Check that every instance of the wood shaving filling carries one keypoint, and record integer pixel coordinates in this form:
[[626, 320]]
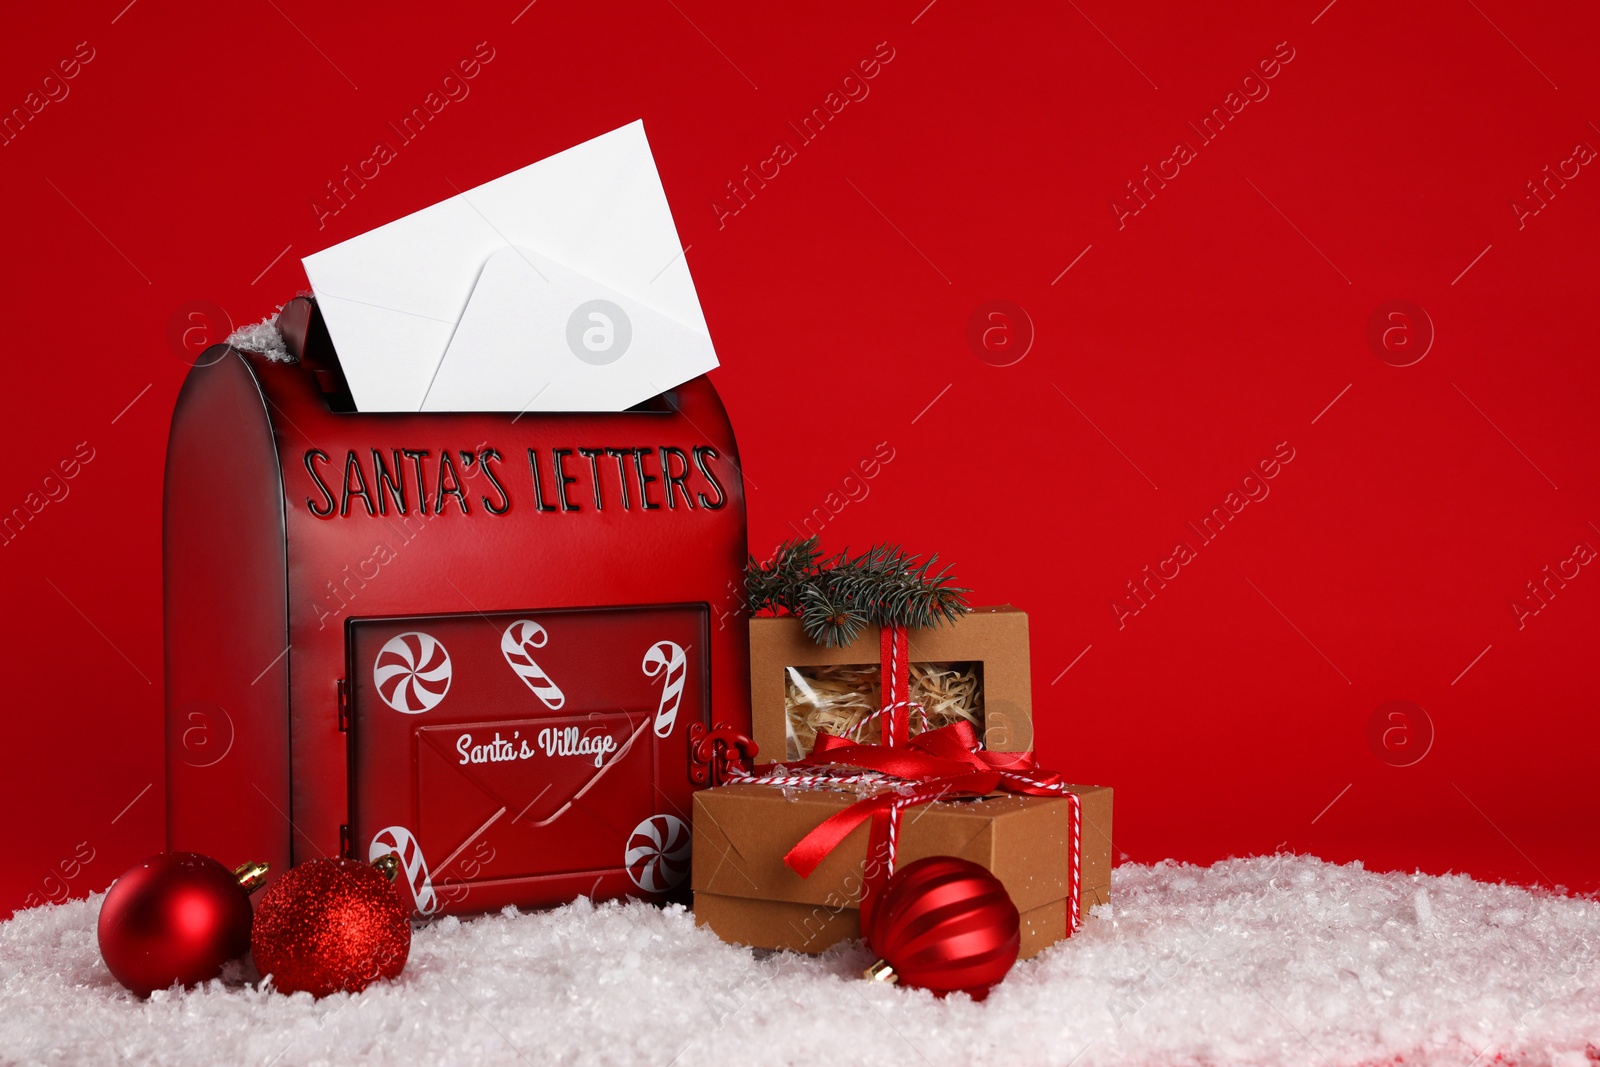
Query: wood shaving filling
[[839, 697]]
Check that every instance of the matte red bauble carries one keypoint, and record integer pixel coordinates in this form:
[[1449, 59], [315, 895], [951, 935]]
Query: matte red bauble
[[944, 924], [330, 926], [176, 917]]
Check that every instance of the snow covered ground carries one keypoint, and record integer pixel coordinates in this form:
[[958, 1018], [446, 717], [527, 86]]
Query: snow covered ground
[[1272, 960]]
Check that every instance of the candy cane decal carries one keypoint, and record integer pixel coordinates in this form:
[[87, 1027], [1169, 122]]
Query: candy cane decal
[[519, 637], [412, 672], [400, 840], [666, 658]]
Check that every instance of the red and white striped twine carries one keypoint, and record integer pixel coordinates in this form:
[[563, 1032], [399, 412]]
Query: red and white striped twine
[[912, 707], [891, 735], [807, 781], [1075, 851]]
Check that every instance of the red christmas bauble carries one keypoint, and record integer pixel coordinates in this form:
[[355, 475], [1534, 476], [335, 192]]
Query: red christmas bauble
[[176, 917], [330, 926], [944, 924]]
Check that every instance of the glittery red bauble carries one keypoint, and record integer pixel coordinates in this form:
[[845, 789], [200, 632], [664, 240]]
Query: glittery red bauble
[[330, 925], [176, 917], [945, 924]]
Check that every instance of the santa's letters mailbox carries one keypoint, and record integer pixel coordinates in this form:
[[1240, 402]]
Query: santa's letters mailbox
[[497, 644]]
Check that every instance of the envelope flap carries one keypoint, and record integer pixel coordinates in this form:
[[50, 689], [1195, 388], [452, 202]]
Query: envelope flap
[[549, 337]]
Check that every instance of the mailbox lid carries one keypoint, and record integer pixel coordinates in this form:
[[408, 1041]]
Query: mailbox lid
[[527, 757]]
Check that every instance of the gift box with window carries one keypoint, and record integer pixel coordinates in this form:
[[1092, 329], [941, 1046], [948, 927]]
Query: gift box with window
[[901, 722]]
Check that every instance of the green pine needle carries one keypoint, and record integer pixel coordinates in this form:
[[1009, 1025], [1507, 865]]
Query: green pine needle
[[837, 597]]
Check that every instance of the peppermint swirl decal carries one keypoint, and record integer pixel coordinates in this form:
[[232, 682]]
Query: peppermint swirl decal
[[658, 853], [412, 672]]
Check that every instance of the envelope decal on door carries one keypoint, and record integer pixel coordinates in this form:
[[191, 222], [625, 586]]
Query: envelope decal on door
[[526, 783]]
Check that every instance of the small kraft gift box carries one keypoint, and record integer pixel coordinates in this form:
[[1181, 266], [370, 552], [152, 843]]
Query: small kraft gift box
[[970, 717]]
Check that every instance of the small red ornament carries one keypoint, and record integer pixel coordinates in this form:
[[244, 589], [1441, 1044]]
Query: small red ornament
[[176, 917], [330, 926], [946, 925]]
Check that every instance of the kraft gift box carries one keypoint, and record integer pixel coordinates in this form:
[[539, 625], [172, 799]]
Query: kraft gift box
[[746, 894]]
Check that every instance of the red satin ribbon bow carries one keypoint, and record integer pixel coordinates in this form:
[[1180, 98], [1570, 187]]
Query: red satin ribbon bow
[[940, 764]]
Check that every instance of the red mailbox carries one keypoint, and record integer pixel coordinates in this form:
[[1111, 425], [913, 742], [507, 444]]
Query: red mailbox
[[498, 644]]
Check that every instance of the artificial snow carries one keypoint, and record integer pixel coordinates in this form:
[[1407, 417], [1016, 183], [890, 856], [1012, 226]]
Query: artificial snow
[[262, 337], [1273, 960]]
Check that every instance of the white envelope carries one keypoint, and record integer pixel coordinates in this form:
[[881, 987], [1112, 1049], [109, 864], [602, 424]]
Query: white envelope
[[558, 287]]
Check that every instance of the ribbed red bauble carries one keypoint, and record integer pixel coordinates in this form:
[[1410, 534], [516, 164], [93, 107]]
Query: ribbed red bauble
[[946, 925], [330, 926], [176, 917]]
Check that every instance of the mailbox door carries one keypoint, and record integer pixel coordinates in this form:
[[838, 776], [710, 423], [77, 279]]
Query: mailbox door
[[528, 757]]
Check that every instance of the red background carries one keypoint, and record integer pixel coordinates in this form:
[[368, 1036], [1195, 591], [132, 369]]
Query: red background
[[1220, 320]]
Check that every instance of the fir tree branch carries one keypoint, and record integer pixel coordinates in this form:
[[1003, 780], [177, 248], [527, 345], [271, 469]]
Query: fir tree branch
[[837, 597]]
